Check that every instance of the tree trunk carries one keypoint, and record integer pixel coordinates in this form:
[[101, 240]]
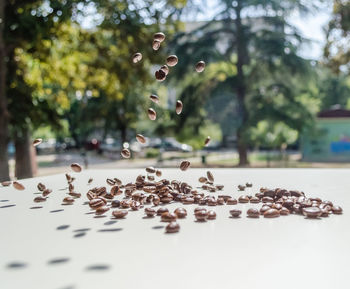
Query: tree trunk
[[23, 155], [123, 132], [4, 168], [241, 88]]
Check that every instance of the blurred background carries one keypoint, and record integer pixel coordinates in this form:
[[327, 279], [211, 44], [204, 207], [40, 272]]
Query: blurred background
[[275, 91]]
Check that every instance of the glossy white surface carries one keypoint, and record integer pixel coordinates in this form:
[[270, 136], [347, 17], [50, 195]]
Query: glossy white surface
[[286, 252]]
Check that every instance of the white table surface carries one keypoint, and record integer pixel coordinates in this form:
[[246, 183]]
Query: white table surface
[[286, 252]]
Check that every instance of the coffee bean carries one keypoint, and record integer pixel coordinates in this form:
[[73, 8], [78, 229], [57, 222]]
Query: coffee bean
[[119, 214], [184, 165], [160, 75], [171, 60], [115, 204], [110, 182], [271, 213], [39, 199], [125, 204], [125, 153], [248, 185], [207, 141], [135, 205], [220, 201], [254, 200], [96, 203], [312, 212], [201, 215], [154, 98], [211, 215], [243, 199], [137, 57], [101, 210], [168, 217], [180, 213], [160, 36], [264, 208], [162, 210], [150, 212], [156, 44], [210, 176], [46, 192], [140, 138], [115, 191], [231, 201], [179, 107], [165, 69], [284, 211], [202, 179], [68, 200], [235, 213], [76, 167], [337, 210], [325, 213], [173, 227], [156, 200], [90, 181], [41, 187], [37, 142], [253, 213], [6, 183], [150, 170], [18, 186], [188, 201], [200, 66], [158, 173], [241, 187], [152, 114]]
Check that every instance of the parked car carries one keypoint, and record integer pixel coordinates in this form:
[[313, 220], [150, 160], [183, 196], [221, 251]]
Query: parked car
[[171, 144], [111, 145]]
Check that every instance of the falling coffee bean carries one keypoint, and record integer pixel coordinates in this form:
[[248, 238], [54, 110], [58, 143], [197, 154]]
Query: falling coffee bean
[[165, 68], [210, 176], [6, 183], [160, 75], [76, 167], [140, 138], [137, 57], [207, 141], [152, 114], [46, 192], [171, 60], [184, 165], [160, 36], [18, 186], [200, 66], [125, 153], [156, 44], [39, 199], [41, 187], [179, 107], [37, 141], [154, 98], [68, 200], [173, 227]]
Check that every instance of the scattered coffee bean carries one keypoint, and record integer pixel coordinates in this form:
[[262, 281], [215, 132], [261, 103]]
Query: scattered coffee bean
[[337, 210], [248, 185], [173, 227], [137, 57], [162, 210], [184, 165], [200, 66], [68, 200], [165, 69], [211, 215], [158, 173], [207, 141], [154, 98], [179, 106], [115, 204], [243, 199], [152, 114], [150, 212], [168, 217], [37, 142], [6, 183], [160, 75], [271, 213], [125, 153], [180, 213], [101, 210], [46, 192], [76, 167], [241, 187], [235, 213], [39, 199], [284, 212], [231, 201], [156, 44], [18, 186], [41, 187], [312, 212], [253, 213], [119, 214], [90, 181], [150, 170], [201, 215]]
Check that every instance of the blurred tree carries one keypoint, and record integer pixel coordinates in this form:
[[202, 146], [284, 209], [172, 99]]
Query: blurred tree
[[337, 49], [255, 37]]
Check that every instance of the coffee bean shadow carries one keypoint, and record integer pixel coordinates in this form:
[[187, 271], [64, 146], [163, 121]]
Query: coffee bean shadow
[[63, 189], [110, 222], [318, 218], [148, 217], [62, 227], [89, 213], [79, 235], [100, 216], [235, 217], [82, 230], [99, 267], [110, 230], [157, 227], [63, 204], [7, 206], [3, 201], [56, 211], [16, 265], [250, 217], [38, 193], [36, 207], [67, 287], [58, 261], [200, 222]]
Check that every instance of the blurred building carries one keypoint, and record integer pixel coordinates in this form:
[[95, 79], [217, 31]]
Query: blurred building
[[329, 141]]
